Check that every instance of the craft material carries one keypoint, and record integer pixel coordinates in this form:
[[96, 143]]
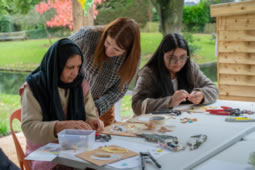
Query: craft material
[[170, 112], [102, 155], [188, 120], [107, 154], [151, 125], [160, 120], [164, 129], [125, 129], [118, 128], [239, 119], [147, 155], [114, 149], [158, 138], [196, 141], [172, 145], [196, 109], [103, 138], [249, 112]]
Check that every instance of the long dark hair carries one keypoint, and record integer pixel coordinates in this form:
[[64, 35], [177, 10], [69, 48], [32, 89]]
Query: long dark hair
[[156, 63]]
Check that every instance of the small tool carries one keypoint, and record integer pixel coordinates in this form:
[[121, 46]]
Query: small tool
[[225, 111], [146, 155], [170, 112], [239, 119]]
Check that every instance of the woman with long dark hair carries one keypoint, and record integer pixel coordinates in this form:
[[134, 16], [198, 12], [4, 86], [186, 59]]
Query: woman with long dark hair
[[171, 78]]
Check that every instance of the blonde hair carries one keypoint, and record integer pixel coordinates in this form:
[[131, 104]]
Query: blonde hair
[[126, 33]]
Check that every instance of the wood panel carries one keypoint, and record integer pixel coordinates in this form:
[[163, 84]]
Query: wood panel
[[244, 91], [236, 69], [242, 22], [248, 47], [237, 8], [240, 80], [237, 98], [237, 58], [243, 35]]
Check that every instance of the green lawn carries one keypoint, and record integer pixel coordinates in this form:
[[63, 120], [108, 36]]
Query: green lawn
[[26, 55], [207, 52], [8, 104]]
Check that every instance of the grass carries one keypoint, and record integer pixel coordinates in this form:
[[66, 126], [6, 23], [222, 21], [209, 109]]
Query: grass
[[8, 104], [26, 55], [207, 52]]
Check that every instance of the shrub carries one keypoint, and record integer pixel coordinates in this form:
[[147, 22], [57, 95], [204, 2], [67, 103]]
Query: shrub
[[190, 40], [112, 9], [195, 17], [6, 24], [4, 130]]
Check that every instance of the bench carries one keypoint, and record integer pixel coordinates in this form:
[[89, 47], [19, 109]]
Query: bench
[[9, 36]]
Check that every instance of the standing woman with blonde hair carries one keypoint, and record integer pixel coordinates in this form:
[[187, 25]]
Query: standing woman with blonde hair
[[111, 56]]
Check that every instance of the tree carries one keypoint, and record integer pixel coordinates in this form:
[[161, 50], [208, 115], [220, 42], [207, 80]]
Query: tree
[[16, 6], [89, 6], [79, 20], [170, 14], [195, 17]]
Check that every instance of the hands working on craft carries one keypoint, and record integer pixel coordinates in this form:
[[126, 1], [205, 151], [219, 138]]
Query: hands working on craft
[[92, 124], [180, 96], [171, 78]]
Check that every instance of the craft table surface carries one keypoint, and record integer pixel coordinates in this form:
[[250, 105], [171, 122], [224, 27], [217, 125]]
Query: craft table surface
[[250, 137], [221, 135], [236, 154]]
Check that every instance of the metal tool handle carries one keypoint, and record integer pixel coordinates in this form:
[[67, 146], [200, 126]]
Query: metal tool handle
[[142, 161], [154, 160]]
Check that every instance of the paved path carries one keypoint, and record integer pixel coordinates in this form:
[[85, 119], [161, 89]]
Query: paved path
[[7, 145]]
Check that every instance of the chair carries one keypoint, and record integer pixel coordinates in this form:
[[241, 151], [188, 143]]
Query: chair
[[24, 164]]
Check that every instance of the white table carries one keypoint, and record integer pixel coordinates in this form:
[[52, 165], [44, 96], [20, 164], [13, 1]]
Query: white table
[[250, 137], [236, 155], [221, 135]]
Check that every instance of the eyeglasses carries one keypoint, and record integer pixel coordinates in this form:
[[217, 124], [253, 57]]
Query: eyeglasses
[[174, 59]]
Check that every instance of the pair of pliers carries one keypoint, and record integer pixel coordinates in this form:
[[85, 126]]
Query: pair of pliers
[[225, 111]]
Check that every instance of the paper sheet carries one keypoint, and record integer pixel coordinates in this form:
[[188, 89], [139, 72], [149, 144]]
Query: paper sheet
[[49, 152]]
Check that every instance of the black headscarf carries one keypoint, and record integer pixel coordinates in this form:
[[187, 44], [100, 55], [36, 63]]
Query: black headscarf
[[45, 80]]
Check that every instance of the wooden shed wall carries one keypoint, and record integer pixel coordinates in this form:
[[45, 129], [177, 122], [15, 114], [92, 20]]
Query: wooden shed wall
[[236, 57]]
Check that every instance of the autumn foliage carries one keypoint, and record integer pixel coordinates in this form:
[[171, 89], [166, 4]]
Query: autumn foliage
[[63, 17]]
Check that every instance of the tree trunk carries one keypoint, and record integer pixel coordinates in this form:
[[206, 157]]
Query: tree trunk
[[150, 13], [79, 20], [170, 14]]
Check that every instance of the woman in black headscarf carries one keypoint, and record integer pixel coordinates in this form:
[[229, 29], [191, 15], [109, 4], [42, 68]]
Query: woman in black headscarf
[[57, 97]]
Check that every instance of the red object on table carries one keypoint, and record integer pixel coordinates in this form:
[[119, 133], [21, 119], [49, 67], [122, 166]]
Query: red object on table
[[224, 111]]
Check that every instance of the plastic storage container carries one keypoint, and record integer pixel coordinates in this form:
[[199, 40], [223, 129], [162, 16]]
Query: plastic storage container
[[76, 139]]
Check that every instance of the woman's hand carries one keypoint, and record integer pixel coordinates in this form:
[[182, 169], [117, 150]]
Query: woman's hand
[[71, 124], [178, 97], [196, 97], [96, 124]]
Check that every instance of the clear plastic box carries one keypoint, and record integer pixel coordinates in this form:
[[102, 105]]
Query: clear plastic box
[[76, 139]]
